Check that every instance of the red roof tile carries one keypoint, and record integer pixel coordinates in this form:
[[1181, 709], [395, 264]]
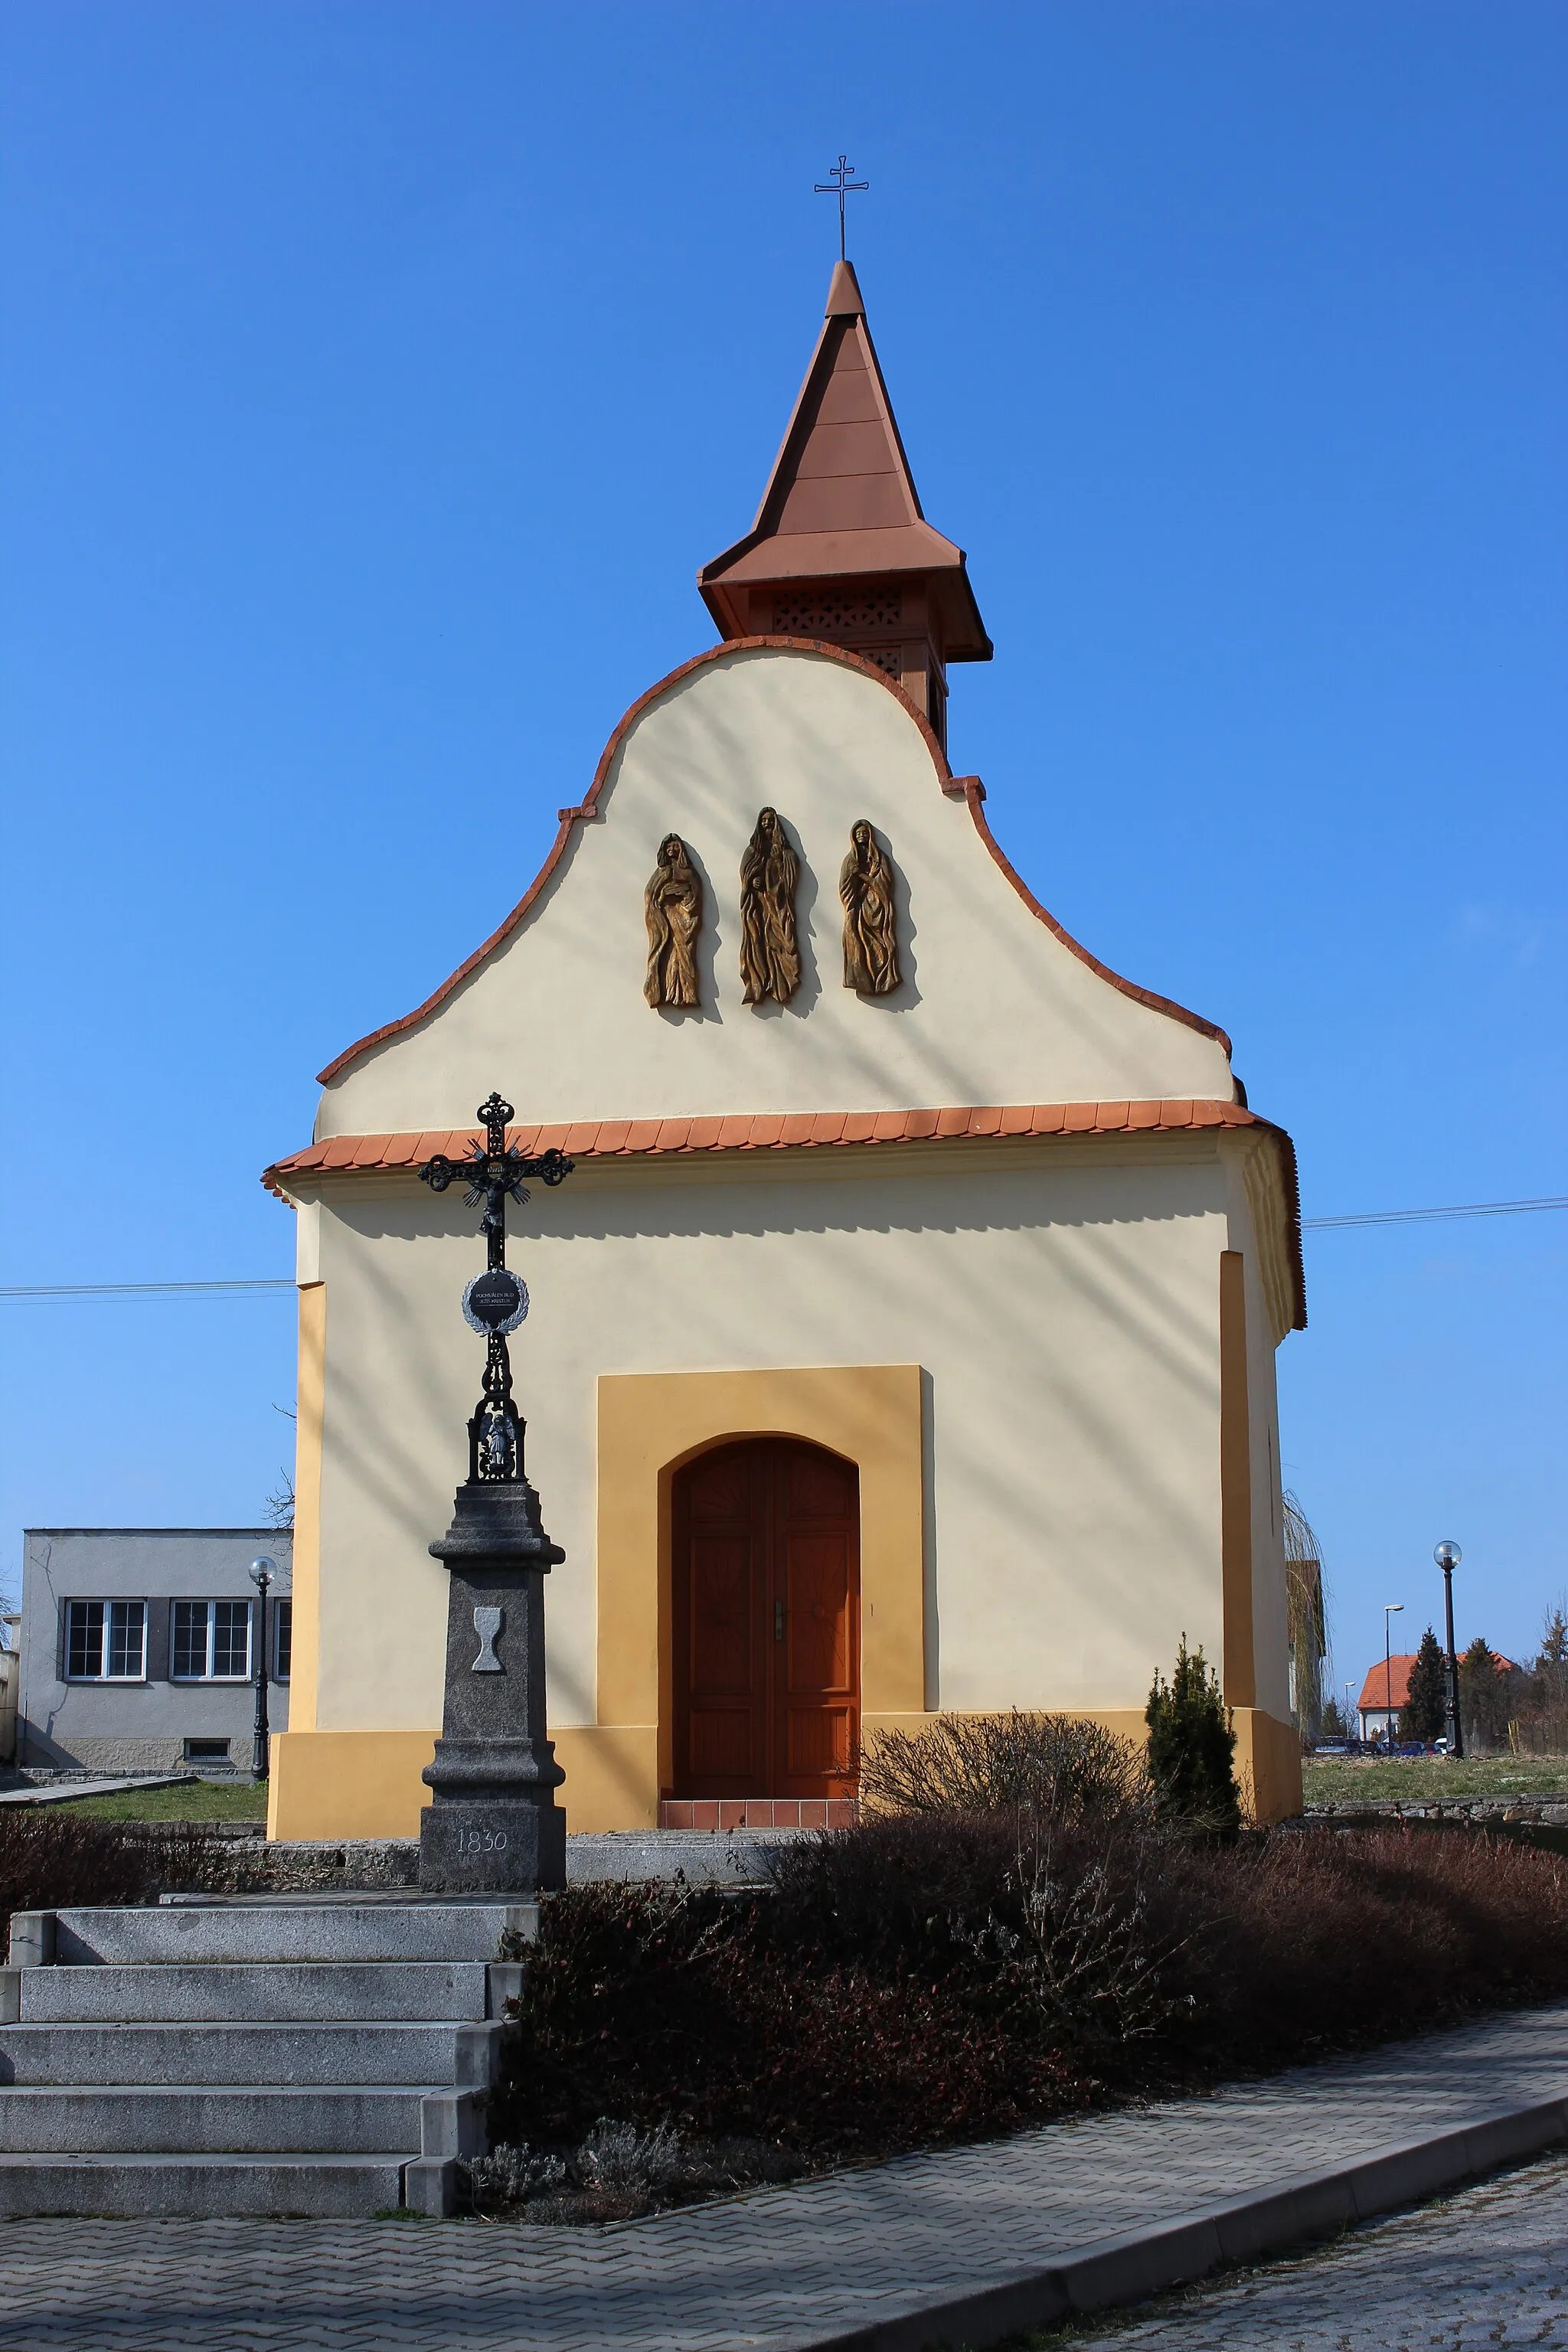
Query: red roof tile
[[613, 1139]]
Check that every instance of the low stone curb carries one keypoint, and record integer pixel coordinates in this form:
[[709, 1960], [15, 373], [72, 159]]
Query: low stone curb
[[68, 1792], [1129, 2269]]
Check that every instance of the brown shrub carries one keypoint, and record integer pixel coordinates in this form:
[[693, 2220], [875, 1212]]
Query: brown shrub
[[1320, 1940], [50, 1859], [1055, 1768], [933, 1977]]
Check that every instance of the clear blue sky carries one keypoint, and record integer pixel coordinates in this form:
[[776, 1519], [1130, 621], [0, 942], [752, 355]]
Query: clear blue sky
[[376, 378]]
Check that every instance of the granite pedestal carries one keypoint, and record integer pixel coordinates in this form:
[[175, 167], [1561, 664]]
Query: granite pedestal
[[493, 1824]]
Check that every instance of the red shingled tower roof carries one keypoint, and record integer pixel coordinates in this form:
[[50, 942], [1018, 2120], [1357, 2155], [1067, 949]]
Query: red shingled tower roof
[[840, 548]]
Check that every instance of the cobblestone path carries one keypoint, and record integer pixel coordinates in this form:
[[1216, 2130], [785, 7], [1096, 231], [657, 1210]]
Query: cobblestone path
[[1488, 2266], [783, 2269]]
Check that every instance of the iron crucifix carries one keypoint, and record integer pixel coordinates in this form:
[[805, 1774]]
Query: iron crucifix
[[496, 1301], [839, 184]]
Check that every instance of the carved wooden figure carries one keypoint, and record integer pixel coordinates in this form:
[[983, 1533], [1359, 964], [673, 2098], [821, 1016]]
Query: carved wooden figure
[[870, 929], [672, 903], [770, 875]]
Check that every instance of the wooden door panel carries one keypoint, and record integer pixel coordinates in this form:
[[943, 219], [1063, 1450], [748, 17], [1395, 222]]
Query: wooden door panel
[[818, 1486], [723, 1746], [816, 1557], [765, 1621], [817, 1613], [724, 1616], [816, 1745], [719, 1487]]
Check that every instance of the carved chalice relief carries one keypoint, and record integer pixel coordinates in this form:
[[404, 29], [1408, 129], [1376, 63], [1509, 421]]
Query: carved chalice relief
[[870, 929], [770, 875], [672, 906], [487, 1625]]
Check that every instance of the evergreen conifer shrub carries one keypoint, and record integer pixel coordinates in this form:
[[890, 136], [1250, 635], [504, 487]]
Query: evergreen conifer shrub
[[1192, 1747], [1424, 1713]]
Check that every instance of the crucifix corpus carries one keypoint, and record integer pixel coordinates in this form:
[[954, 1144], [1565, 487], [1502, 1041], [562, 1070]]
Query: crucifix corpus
[[493, 1824], [839, 184]]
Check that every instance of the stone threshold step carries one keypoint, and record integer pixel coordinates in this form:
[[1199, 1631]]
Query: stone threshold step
[[205, 2188], [721, 1813]]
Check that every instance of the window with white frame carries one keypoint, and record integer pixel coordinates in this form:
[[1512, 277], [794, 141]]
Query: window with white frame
[[211, 1641], [282, 1639], [106, 1640]]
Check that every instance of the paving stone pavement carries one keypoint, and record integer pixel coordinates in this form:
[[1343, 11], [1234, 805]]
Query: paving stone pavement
[[783, 2268], [1487, 2266]]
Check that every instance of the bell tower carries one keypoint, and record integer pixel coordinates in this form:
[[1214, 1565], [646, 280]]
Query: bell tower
[[840, 548]]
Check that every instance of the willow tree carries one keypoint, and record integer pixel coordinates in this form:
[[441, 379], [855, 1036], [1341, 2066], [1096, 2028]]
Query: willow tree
[[1307, 1620]]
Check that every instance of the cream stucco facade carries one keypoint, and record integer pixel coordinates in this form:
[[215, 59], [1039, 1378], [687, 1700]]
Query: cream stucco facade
[[1051, 1356]]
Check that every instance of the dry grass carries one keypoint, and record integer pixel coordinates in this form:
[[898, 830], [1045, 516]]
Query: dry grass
[[1422, 1780]]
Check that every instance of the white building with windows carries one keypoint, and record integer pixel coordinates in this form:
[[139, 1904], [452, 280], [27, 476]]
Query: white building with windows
[[137, 1646]]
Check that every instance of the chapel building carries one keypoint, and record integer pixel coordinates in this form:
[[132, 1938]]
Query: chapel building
[[904, 1338]]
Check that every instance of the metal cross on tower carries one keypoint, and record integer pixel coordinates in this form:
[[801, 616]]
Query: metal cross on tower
[[839, 184], [496, 1301]]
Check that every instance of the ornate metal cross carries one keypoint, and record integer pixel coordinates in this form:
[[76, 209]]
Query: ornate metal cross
[[496, 1301], [839, 184]]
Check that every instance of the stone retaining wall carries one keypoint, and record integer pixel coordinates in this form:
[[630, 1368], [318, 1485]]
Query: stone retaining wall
[[259, 1868], [1553, 1811]]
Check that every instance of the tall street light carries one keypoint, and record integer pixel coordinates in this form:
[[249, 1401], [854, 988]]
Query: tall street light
[[1390, 1608], [262, 1572], [1447, 1557], [1349, 1711]]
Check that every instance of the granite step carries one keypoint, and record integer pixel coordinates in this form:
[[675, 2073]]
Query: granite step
[[205, 1933], [221, 2119], [336, 2055], [207, 1993], [314, 2056], [207, 2188]]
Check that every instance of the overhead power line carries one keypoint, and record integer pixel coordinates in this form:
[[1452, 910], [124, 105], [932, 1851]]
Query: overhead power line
[[140, 1289], [286, 1282], [1415, 1216]]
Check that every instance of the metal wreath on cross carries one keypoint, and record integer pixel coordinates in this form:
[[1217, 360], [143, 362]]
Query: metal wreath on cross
[[496, 1301]]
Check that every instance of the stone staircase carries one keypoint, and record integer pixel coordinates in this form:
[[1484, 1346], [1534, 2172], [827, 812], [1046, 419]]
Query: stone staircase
[[324, 2057]]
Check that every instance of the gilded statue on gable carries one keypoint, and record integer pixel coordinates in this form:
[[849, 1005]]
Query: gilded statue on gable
[[770, 875], [870, 929], [673, 905]]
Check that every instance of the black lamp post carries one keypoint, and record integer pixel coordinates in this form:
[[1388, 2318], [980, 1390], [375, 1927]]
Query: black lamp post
[[1390, 1608], [1447, 1557], [262, 1572]]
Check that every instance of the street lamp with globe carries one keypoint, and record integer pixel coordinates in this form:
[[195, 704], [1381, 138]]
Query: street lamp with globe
[[263, 1571], [1391, 1610], [1447, 1557]]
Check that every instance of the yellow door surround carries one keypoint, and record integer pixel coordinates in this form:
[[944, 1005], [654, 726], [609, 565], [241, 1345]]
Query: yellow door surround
[[650, 1424]]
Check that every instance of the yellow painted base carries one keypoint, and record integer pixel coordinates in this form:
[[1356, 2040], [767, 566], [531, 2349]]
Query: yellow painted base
[[367, 1784], [1268, 1761], [348, 1784]]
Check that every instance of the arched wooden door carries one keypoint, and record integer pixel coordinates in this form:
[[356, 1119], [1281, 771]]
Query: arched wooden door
[[766, 1622]]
